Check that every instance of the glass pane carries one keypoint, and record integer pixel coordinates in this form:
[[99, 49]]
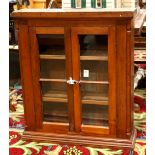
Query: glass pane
[[94, 79], [94, 70], [52, 69], [52, 77], [94, 92], [54, 90], [51, 44], [93, 45], [94, 115], [55, 112]]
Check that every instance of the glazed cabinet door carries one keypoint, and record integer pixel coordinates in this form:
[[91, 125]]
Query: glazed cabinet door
[[93, 56], [50, 71]]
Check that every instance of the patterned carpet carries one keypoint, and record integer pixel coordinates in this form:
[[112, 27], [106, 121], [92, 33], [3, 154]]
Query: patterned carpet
[[20, 147]]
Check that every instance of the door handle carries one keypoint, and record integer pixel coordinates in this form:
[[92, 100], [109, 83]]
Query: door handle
[[72, 81]]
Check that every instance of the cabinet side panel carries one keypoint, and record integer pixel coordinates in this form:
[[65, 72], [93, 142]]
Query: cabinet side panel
[[35, 75], [130, 77], [112, 79], [121, 81], [26, 76]]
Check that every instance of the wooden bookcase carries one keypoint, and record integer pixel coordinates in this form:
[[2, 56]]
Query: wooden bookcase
[[77, 75]]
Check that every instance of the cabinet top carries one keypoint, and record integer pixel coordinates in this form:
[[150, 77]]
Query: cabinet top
[[75, 13]]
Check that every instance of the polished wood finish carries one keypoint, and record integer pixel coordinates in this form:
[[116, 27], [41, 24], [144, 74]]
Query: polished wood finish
[[81, 139], [116, 96]]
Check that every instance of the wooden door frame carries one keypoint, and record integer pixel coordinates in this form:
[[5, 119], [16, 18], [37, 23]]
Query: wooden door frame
[[110, 31], [42, 126]]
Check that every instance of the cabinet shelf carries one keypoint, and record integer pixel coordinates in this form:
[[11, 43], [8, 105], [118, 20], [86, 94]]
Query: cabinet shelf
[[62, 57], [52, 80], [92, 98], [94, 119], [95, 122], [90, 54], [103, 58], [88, 98], [94, 82], [86, 55], [53, 99], [56, 96], [59, 57], [96, 102], [56, 119]]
